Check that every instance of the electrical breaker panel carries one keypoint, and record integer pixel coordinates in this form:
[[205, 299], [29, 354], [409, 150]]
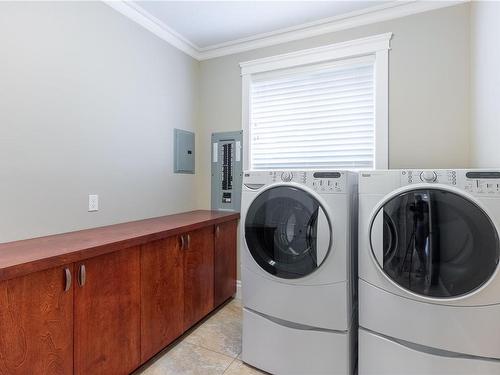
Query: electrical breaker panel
[[227, 172], [183, 151]]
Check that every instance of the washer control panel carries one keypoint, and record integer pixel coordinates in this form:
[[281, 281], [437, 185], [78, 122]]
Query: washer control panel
[[320, 181], [286, 176], [482, 182], [328, 182], [418, 176]]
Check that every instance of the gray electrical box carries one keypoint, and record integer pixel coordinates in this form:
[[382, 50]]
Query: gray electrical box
[[183, 151], [227, 170]]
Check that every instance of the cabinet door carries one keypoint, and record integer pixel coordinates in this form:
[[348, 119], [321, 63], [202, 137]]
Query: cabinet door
[[198, 275], [225, 261], [107, 314], [162, 295], [36, 323]]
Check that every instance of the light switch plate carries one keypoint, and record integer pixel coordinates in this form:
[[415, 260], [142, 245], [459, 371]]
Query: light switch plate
[[93, 202]]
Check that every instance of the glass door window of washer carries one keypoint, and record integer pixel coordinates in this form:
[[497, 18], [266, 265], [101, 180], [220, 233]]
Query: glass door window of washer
[[287, 232], [435, 243]]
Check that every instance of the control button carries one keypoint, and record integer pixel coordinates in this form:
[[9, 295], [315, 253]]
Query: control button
[[428, 176], [286, 176]]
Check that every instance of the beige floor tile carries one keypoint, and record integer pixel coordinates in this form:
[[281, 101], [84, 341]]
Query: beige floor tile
[[188, 359], [240, 368], [234, 307], [221, 332]]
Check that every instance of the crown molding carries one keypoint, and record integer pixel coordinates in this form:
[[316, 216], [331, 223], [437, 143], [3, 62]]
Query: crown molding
[[367, 16], [153, 24], [380, 13]]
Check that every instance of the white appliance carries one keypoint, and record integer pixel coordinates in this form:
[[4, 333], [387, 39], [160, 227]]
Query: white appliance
[[429, 289], [299, 232]]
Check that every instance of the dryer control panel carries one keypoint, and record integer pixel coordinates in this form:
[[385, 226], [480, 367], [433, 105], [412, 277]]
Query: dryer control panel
[[482, 182], [324, 182], [438, 176], [477, 182]]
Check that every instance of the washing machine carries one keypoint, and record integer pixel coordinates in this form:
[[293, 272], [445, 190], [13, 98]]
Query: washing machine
[[429, 289], [298, 265]]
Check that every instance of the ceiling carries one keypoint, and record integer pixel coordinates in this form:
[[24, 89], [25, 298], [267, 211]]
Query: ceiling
[[206, 24], [210, 29]]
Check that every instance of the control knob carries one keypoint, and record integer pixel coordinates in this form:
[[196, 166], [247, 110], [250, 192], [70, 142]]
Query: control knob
[[428, 176], [286, 176]]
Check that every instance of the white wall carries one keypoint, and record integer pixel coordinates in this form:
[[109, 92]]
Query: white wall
[[485, 84], [428, 90], [88, 103]]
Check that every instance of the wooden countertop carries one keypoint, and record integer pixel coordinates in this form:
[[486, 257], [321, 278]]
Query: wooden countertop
[[20, 258]]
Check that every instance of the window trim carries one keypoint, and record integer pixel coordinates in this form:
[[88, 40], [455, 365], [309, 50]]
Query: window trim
[[377, 45]]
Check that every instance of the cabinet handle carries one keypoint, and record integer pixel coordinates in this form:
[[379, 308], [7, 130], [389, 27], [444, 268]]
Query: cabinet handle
[[189, 241], [67, 274], [82, 275], [182, 242], [217, 231]]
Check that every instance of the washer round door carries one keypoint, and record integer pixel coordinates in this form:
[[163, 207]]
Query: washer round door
[[434, 243], [287, 232]]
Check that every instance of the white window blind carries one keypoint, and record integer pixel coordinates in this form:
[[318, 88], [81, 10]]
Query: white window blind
[[316, 117]]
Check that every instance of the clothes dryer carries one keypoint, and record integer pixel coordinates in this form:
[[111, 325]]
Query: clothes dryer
[[428, 272]]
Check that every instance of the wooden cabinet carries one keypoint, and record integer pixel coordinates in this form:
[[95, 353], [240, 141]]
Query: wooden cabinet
[[105, 300], [225, 261], [162, 295], [36, 323], [107, 314], [198, 274], [182, 281]]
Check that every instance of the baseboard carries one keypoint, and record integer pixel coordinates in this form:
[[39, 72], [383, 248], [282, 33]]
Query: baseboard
[[238, 289]]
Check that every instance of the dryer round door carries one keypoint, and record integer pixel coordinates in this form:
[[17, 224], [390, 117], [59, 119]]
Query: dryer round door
[[287, 232], [434, 242]]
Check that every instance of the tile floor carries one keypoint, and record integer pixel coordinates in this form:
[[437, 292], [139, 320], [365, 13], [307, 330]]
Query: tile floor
[[211, 348]]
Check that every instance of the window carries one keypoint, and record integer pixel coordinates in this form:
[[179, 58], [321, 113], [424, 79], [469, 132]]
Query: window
[[324, 108]]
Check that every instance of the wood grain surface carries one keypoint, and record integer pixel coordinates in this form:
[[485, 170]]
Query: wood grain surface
[[225, 261], [107, 314], [24, 257], [162, 295], [198, 275], [36, 324]]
